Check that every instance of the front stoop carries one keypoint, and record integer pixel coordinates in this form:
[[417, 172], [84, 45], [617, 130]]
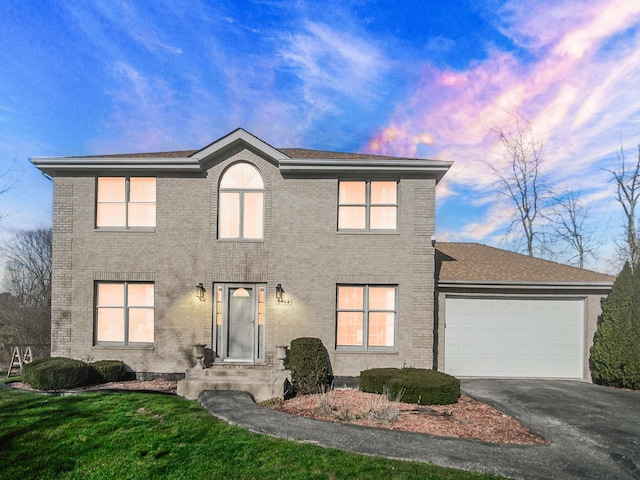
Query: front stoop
[[262, 383]]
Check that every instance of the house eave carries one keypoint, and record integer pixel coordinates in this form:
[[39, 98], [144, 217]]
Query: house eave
[[55, 165], [515, 285], [401, 167]]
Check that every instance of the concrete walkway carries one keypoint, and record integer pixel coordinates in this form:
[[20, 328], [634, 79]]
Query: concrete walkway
[[593, 431]]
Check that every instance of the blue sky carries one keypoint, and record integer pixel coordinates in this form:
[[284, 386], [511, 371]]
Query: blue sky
[[417, 79]]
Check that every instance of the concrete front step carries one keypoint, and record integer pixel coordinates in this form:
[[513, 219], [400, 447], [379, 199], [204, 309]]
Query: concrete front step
[[262, 384]]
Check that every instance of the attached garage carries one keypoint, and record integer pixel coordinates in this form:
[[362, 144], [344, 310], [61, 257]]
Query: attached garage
[[501, 314], [514, 337]]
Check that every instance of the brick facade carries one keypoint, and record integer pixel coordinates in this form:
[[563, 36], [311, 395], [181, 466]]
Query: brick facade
[[302, 250]]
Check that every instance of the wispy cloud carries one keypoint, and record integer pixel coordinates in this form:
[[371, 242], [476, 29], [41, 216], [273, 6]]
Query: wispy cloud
[[332, 61], [576, 90]]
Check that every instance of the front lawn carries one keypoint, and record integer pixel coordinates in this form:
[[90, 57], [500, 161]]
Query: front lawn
[[141, 435]]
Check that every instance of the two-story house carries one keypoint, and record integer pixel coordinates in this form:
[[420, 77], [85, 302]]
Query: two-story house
[[243, 247]]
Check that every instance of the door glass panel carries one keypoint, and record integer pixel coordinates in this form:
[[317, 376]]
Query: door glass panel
[[240, 324]]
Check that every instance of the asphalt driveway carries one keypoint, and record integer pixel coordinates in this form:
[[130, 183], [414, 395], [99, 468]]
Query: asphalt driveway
[[593, 431]]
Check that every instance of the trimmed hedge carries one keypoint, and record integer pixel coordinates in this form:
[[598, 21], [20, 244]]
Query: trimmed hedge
[[420, 386], [309, 364], [56, 373], [104, 371]]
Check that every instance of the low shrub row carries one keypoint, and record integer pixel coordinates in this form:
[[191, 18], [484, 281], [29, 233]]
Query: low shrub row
[[59, 373], [413, 385]]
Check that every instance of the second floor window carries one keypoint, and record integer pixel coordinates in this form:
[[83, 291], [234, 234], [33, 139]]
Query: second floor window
[[241, 203], [126, 202], [368, 206]]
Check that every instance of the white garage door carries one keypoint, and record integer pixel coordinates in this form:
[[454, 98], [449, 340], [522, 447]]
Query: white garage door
[[506, 337]]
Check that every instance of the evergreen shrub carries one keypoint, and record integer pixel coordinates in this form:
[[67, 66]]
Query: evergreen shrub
[[104, 371], [615, 353], [308, 362], [413, 385], [56, 373]]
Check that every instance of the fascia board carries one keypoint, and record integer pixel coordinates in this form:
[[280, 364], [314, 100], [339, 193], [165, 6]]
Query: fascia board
[[297, 166], [53, 165], [525, 285]]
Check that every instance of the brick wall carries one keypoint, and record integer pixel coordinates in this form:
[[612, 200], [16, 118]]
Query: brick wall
[[302, 250]]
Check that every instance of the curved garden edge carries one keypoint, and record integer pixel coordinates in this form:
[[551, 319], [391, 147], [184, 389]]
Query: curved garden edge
[[469, 418]]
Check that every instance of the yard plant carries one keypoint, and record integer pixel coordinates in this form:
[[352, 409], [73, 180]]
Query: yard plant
[[414, 385], [615, 354], [59, 373], [308, 362], [142, 435]]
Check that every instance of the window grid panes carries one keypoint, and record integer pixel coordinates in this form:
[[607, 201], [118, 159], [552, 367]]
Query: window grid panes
[[241, 204], [124, 313], [126, 202], [368, 205], [366, 316]]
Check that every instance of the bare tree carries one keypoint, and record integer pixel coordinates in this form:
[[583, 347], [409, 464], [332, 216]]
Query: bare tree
[[519, 178], [627, 180], [6, 183], [28, 275], [568, 223], [28, 282]]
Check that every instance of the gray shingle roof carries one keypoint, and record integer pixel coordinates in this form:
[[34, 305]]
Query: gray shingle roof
[[289, 152], [477, 263]]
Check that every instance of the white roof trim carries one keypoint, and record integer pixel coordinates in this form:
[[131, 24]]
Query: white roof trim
[[50, 165], [436, 168]]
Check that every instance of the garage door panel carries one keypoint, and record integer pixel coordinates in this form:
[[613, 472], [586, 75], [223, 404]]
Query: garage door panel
[[514, 337]]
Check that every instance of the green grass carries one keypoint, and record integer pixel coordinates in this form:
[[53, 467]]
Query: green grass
[[138, 435]]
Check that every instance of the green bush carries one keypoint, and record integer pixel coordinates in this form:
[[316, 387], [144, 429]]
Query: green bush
[[420, 386], [104, 371], [56, 373], [376, 379], [615, 354], [309, 364]]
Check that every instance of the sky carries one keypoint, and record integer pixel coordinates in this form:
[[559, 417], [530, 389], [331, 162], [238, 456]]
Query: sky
[[427, 79]]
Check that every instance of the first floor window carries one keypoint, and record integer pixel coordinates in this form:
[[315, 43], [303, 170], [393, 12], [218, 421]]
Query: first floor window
[[124, 313], [366, 316]]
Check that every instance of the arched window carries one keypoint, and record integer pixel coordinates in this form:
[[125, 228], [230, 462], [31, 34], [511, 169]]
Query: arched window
[[241, 203]]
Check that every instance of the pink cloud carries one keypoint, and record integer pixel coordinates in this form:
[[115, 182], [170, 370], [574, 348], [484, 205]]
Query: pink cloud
[[578, 95]]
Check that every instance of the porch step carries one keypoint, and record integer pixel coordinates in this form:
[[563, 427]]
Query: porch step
[[263, 384]]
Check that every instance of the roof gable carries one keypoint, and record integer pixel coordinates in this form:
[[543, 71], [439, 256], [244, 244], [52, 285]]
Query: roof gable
[[232, 142], [481, 265]]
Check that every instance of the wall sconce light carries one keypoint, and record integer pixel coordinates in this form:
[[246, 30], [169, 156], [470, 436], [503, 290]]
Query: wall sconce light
[[279, 293], [433, 240], [280, 296], [201, 292]]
